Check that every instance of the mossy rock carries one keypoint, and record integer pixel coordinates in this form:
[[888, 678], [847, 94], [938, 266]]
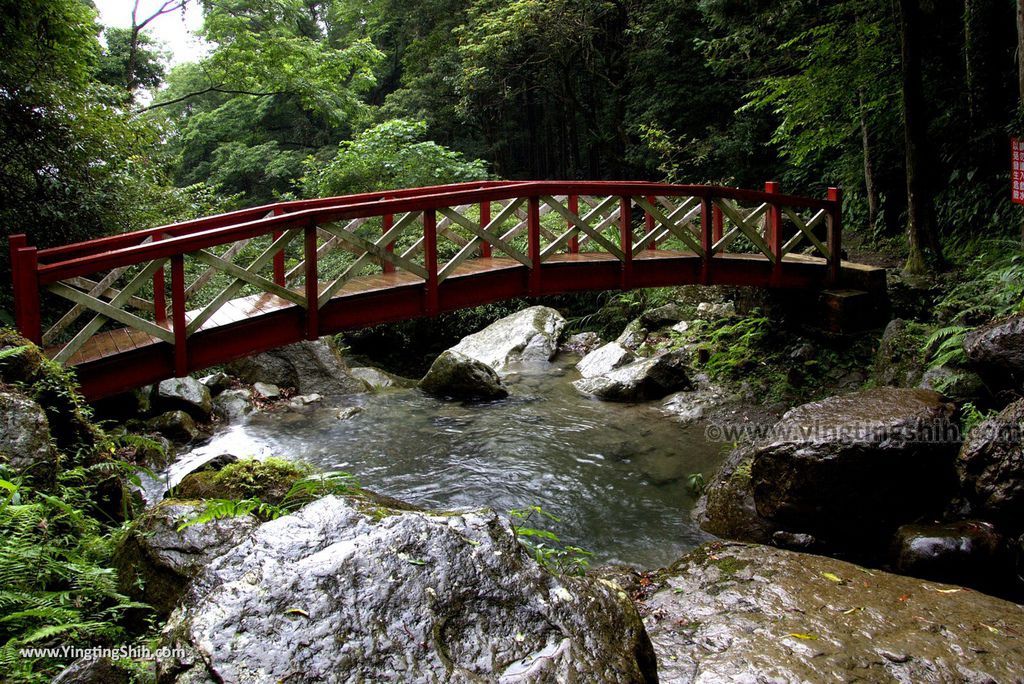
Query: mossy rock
[[268, 480], [55, 389], [900, 360]]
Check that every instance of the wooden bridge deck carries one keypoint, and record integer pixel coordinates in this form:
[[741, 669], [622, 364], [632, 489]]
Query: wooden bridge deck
[[127, 357]]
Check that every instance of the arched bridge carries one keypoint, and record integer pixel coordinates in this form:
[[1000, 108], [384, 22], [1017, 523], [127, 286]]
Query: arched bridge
[[134, 308]]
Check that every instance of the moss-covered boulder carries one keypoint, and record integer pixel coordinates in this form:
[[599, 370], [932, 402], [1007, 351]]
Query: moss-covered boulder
[[330, 591], [900, 359], [25, 436], [268, 480], [54, 388]]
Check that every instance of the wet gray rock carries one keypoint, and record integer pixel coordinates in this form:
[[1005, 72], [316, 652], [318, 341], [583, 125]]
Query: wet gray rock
[[93, 671], [155, 562], [693, 405], [24, 435], [175, 425], [185, 394], [266, 390], [457, 376], [741, 613], [233, 404], [529, 336], [991, 467], [967, 552], [642, 380], [727, 508], [582, 343], [378, 379], [349, 412], [710, 311], [333, 594], [308, 366], [216, 382], [663, 316], [996, 351], [633, 335], [604, 360], [854, 466], [957, 384], [301, 400]]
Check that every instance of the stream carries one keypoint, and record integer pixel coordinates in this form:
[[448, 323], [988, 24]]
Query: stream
[[614, 474]]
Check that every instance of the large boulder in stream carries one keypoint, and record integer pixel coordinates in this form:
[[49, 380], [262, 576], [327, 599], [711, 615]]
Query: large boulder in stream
[[308, 366], [528, 336], [334, 594], [847, 471], [991, 467], [184, 394], [641, 380], [996, 351], [732, 612], [457, 376]]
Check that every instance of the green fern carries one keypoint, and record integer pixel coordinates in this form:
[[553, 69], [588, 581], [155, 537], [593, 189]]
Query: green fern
[[945, 346], [11, 352]]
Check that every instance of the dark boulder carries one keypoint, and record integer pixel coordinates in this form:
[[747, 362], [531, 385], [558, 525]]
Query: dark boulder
[[996, 351], [156, 562], [854, 467], [967, 552], [308, 366], [991, 467], [457, 376]]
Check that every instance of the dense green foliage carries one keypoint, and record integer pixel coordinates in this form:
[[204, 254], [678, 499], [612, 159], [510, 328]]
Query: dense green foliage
[[59, 524]]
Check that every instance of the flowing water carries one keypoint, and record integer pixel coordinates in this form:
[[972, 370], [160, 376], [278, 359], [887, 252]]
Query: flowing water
[[614, 474]]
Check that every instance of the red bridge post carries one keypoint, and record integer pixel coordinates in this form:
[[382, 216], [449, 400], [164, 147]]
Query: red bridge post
[[533, 231], [707, 243], [387, 222], [649, 222], [312, 283], [431, 301], [24, 268], [485, 218], [835, 230], [178, 315], [159, 292], [773, 231], [716, 221], [279, 256], [574, 207], [626, 240]]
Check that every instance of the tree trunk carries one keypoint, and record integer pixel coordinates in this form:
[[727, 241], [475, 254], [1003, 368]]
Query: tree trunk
[[870, 186], [925, 253], [1020, 49]]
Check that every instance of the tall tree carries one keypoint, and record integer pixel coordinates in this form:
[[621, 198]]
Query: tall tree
[[924, 250]]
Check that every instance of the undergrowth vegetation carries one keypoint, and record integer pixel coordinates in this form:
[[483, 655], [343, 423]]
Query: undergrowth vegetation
[[60, 521]]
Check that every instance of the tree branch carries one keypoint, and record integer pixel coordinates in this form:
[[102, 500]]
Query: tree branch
[[211, 89]]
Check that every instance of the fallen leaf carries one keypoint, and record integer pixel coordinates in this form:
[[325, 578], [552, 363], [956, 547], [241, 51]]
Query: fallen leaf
[[805, 637], [853, 610], [832, 577], [296, 611]]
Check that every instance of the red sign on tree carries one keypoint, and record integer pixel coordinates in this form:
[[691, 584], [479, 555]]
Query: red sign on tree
[[1017, 169]]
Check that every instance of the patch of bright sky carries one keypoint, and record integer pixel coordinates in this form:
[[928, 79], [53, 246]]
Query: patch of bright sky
[[175, 30]]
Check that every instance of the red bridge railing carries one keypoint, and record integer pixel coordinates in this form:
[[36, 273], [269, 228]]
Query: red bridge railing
[[307, 252]]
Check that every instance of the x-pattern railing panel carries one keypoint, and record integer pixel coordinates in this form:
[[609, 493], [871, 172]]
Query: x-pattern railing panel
[[430, 235]]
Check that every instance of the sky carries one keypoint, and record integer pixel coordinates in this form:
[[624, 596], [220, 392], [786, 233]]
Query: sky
[[171, 29]]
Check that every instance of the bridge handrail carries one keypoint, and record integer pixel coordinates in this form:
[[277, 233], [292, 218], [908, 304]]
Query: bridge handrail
[[703, 213], [195, 235]]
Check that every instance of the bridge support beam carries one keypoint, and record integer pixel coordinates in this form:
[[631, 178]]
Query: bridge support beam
[[24, 268], [178, 315], [312, 284], [626, 240]]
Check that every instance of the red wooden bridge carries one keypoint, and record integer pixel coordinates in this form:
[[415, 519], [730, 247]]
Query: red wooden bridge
[[134, 308]]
